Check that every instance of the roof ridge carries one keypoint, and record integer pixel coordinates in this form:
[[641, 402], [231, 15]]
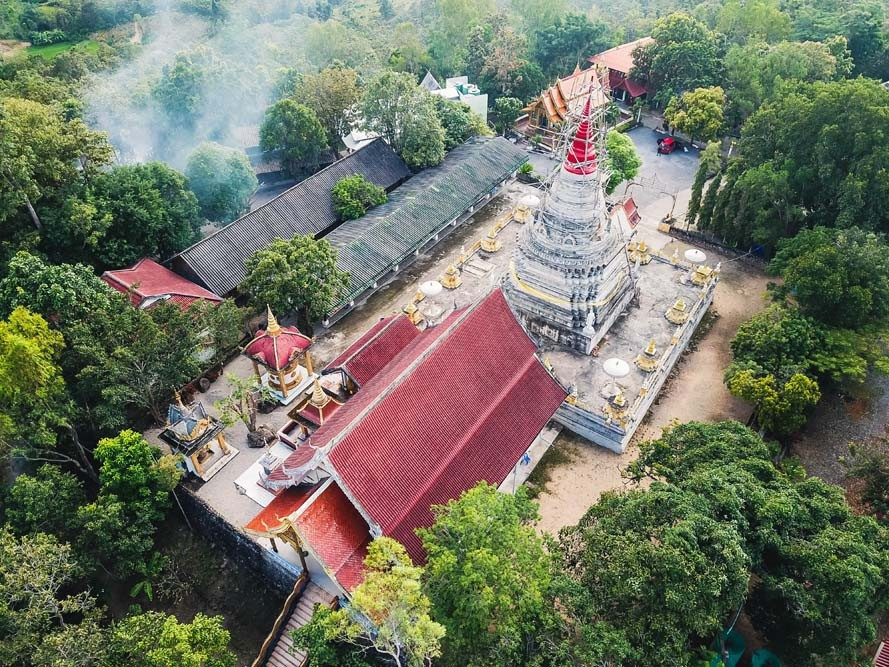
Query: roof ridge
[[396, 382], [392, 319], [461, 443], [274, 199]]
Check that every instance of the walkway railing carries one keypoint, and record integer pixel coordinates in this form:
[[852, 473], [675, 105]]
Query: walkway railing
[[287, 609]]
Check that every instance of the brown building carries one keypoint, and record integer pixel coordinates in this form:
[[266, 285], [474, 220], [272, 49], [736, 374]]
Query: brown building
[[547, 113], [619, 63]]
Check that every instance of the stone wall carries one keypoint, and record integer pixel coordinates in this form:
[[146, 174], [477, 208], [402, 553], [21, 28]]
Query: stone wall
[[237, 545]]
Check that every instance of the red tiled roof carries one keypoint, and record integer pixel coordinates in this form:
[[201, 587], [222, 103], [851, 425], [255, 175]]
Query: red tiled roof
[[336, 532], [282, 506], [368, 355], [147, 279], [881, 659], [318, 415], [275, 352], [461, 404], [299, 457], [620, 58], [632, 211], [634, 88]]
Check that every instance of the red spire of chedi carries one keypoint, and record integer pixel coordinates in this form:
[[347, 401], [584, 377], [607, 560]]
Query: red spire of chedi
[[581, 158]]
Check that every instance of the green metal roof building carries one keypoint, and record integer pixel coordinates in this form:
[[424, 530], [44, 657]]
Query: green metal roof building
[[376, 246]]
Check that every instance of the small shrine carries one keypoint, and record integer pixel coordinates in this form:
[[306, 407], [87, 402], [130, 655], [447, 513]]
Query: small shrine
[[281, 360], [647, 361], [198, 437], [678, 312]]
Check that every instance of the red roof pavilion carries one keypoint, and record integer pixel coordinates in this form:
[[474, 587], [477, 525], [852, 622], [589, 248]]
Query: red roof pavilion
[[368, 355], [276, 346], [148, 283]]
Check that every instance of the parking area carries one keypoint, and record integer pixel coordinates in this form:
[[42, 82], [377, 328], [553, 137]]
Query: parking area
[[660, 174]]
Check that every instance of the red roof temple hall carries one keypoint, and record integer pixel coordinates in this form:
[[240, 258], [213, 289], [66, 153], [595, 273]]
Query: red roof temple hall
[[419, 417], [148, 283]]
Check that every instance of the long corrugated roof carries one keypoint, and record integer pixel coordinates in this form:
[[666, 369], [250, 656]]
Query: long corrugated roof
[[219, 260], [372, 245]]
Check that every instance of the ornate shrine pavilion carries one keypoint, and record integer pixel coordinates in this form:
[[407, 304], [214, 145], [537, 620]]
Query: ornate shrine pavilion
[[276, 353]]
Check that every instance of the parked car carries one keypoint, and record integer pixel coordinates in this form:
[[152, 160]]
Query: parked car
[[666, 145]]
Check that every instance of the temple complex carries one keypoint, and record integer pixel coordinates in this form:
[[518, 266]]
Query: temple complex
[[568, 95], [276, 353], [402, 420], [571, 277]]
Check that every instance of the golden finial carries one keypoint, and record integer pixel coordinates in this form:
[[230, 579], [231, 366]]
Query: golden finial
[[272, 328], [319, 398], [179, 399], [651, 350]]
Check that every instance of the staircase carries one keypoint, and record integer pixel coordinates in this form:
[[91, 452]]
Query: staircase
[[279, 654]]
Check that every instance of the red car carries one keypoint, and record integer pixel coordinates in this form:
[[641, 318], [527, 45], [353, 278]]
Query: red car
[[667, 145]]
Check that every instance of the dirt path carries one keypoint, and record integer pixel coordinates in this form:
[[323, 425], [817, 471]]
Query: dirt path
[[9, 47], [695, 392]]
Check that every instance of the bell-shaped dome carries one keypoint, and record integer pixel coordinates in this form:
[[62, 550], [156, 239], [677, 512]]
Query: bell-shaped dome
[[275, 346]]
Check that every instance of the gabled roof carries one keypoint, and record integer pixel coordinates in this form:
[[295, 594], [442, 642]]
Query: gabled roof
[[337, 534], [620, 58], [461, 404], [371, 246], [282, 506], [429, 82], [568, 93], [881, 659], [368, 355], [218, 261], [147, 282]]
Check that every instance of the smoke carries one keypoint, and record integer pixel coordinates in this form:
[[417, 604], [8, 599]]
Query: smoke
[[216, 78]]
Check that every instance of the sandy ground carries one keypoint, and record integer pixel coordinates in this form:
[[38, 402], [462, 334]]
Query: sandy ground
[[696, 390], [9, 47]]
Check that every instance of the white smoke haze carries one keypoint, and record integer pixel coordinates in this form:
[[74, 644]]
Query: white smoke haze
[[239, 59]]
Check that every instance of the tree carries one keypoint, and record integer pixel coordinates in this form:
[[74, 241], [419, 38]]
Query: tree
[[180, 88], [127, 213], [809, 158], [684, 56], [568, 42], [622, 160], [242, 405], [710, 162], [708, 203], [759, 20], [455, 19], [295, 130], [779, 409], [396, 108], [505, 111], [354, 195], [698, 113], [838, 276], [458, 121], [38, 610], [153, 639], [392, 600], [409, 53], [332, 95], [869, 463], [657, 567], [41, 153], [486, 568], [299, 274], [44, 503], [222, 179], [792, 527], [319, 639], [160, 355]]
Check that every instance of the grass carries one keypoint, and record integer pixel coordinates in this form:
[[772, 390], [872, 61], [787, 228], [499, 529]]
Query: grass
[[50, 51]]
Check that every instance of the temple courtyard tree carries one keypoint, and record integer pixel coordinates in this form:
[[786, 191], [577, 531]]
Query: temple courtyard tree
[[458, 121], [298, 275], [295, 130], [505, 112], [391, 599], [698, 113], [45, 502], [566, 43], [486, 567], [354, 195], [623, 161], [222, 179], [242, 405]]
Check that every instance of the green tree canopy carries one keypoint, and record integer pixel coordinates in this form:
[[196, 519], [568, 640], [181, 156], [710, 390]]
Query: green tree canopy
[[153, 639], [505, 112], [698, 113], [222, 179], [486, 568], [568, 42], [354, 195], [754, 20], [299, 275], [458, 121], [392, 600], [838, 276], [46, 502], [622, 160], [295, 130], [332, 95], [684, 55], [404, 114]]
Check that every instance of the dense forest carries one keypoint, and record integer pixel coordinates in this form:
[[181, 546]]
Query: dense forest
[[121, 126]]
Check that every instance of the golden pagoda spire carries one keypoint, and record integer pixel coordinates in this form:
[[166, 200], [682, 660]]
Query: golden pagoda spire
[[272, 328], [319, 398]]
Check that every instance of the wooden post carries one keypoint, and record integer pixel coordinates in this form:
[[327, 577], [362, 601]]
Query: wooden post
[[283, 383], [222, 443], [256, 369], [308, 362], [197, 465]]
